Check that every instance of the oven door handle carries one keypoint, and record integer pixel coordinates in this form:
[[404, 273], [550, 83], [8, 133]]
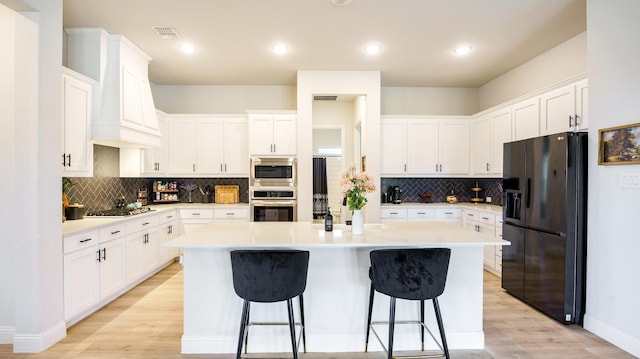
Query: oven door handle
[[273, 203]]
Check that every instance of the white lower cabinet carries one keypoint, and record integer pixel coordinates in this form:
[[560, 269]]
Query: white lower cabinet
[[193, 218], [491, 224], [168, 230], [142, 247], [420, 214], [393, 214], [230, 214]]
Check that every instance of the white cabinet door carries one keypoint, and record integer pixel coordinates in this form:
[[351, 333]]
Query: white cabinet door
[[271, 135], [134, 246], [481, 145], [209, 146], [453, 151], [155, 159], [526, 119], [150, 255], [81, 281], [168, 231], [236, 147], [393, 147], [77, 147], [500, 134], [582, 104], [111, 267], [182, 148], [148, 107], [558, 110], [422, 146], [285, 135]]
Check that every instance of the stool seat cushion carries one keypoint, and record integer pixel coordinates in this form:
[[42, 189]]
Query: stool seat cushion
[[269, 276], [414, 274]]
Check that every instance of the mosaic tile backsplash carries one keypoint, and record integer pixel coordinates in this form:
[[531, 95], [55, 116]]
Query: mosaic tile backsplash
[[440, 188]]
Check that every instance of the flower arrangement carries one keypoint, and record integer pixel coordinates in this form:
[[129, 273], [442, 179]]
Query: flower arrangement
[[355, 187]]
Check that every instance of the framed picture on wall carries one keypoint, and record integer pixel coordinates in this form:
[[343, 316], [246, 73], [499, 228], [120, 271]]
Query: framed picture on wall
[[619, 145]]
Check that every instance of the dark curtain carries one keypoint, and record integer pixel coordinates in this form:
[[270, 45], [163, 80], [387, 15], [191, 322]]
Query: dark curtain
[[320, 198]]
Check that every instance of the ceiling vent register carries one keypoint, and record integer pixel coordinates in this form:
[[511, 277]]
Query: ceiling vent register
[[165, 32]]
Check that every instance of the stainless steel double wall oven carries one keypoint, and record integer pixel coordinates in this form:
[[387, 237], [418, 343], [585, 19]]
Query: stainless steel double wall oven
[[273, 189]]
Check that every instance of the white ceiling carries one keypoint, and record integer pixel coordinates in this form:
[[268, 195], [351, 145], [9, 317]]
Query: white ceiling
[[234, 37]]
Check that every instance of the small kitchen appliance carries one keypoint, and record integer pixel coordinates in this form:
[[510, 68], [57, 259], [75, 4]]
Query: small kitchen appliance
[[395, 195]]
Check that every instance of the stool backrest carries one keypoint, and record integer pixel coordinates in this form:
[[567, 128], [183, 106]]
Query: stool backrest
[[269, 275], [413, 274]]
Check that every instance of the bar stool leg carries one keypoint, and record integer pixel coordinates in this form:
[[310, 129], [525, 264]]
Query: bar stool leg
[[422, 321], [392, 323], [436, 308], [292, 328], [243, 325], [246, 335], [304, 327], [366, 341]]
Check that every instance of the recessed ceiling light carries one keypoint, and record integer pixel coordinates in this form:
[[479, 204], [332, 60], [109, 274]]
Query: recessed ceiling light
[[187, 48], [340, 2], [280, 49], [373, 49], [463, 50]]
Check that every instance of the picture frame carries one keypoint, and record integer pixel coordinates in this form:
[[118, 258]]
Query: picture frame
[[619, 145]]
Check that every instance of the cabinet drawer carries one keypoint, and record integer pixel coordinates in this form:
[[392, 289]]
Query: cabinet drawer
[[112, 232], [143, 223], [419, 214], [393, 214], [168, 216], [222, 214], [204, 213], [448, 213], [470, 215], [487, 218], [79, 241]]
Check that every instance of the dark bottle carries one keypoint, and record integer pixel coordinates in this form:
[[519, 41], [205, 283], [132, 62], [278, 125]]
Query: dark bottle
[[328, 221]]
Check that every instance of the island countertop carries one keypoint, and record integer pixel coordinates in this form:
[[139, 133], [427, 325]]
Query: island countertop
[[305, 234]]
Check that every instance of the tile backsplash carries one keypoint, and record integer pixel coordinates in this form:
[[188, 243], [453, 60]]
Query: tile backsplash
[[440, 188]]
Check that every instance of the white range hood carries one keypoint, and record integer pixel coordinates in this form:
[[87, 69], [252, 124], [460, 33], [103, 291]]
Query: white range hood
[[124, 113]]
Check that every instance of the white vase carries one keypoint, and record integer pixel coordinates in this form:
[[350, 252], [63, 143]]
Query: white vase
[[357, 222]]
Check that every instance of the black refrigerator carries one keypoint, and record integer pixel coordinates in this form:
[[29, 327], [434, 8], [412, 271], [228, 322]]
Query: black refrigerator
[[544, 214]]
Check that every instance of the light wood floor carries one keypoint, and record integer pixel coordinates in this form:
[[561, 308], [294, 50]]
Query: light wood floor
[[147, 323]]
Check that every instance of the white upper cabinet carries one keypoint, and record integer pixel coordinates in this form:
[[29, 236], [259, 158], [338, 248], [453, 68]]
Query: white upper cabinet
[[155, 160], [563, 109], [124, 109], [490, 132], [424, 146], [526, 119], [77, 147], [208, 145], [272, 134]]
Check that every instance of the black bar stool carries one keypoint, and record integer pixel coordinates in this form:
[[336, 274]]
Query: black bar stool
[[268, 276], [412, 274]]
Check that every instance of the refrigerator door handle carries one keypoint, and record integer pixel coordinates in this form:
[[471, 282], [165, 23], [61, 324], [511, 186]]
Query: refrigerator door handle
[[528, 199]]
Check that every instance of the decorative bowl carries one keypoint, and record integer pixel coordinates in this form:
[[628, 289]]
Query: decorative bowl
[[426, 197]]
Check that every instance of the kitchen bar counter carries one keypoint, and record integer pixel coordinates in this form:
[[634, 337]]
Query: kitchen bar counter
[[337, 285]]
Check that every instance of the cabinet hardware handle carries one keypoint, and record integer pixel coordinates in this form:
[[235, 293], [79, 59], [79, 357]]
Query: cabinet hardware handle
[[64, 160], [436, 167], [104, 254], [195, 214], [98, 258], [115, 232], [441, 167], [393, 212], [225, 167], [230, 214], [448, 212], [485, 218], [85, 240], [405, 167], [169, 216], [421, 213], [221, 167], [145, 223], [570, 118], [487, 166], [169, 229], [274, 147], [194, 167], [69, 160]]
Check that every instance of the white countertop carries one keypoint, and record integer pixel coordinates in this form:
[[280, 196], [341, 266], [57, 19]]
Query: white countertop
[[469, 205], [89, 223], [305, 235]]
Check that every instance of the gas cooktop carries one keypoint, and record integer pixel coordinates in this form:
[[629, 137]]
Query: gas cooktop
[[118, 212]]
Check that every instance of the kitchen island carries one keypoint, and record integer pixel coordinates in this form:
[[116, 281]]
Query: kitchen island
[[337, 286]]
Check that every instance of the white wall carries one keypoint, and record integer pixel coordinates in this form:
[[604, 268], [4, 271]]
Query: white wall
[[365, 83], [613, 288], [428, 101], [213, 99], [564, 61], [7, 163], [34, 161]]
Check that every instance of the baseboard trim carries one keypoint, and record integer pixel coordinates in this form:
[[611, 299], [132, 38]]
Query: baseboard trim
[[36, 343], [6, 334], [612, 335]]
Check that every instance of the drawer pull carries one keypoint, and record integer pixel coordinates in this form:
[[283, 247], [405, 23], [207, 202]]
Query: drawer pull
[[230, 214], [169, 216], [485, 218], [145, 223], [115, 232], [393, 212], [85, 240], [195, 214], [448, 213], [422, 213]]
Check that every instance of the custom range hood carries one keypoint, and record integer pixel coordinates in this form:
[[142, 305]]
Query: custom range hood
[[124, 114]]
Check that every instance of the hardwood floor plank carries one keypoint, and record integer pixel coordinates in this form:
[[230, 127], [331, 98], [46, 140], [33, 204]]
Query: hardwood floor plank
[[146, 323]]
